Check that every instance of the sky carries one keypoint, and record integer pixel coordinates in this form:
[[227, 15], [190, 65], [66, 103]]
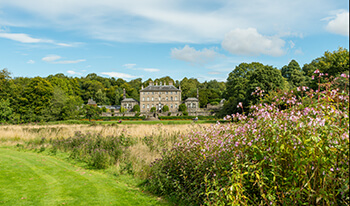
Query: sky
[[203, 39]]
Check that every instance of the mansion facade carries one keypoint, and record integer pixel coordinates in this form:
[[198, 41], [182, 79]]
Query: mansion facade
[[158, 96]]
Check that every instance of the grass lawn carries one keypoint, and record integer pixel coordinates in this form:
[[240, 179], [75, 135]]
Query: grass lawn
[[28, 178]]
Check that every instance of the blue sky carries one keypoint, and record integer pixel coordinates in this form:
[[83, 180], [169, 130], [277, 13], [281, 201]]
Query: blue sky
[[204, 39]]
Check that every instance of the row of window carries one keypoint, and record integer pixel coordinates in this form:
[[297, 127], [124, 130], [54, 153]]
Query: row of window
[[159, 92], [191, 105], [148, 106], [166, 99]]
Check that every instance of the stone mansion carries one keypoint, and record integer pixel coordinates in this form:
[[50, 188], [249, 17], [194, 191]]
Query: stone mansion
[[158, 96]]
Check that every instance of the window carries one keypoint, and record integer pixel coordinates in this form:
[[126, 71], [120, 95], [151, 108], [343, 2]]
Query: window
[[175, 98], [152, 105], [175, 105], [171, 92], [171, 98], [143, 99], [166, 92], [147, 98], [160, 99], [143, 106], [171, 106], [166, 99], [152, 92], [147, 106], [152, 98]]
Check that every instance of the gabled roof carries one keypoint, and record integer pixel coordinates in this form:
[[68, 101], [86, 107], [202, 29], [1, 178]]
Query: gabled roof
[[158, 88], [129, 100]]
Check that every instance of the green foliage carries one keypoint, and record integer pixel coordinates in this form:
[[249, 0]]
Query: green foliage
[[297, 156], [5, 110], [182, 107], [165, 108], [185, 113], [91, 112], [153, 109], [293, 73], [122, 109], [136, 108]]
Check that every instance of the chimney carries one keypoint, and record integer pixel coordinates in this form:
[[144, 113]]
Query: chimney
[[160, 83], [124, 95], [156, 83], [150, 83], [180, 87], [164, 82], [171, 83], [141, 86]]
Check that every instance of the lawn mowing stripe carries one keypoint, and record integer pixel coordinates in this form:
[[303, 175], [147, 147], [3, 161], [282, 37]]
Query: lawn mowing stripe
[[56, 182]]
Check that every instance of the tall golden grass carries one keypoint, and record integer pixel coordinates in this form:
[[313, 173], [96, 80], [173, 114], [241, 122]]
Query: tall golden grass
[[140, 155]]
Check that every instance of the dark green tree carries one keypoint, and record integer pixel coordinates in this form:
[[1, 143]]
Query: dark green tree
[[136, 108], [182, 107], [165, 108]]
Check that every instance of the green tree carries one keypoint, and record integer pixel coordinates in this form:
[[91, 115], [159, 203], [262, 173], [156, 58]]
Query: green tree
[[122, 109], [101, 98], [5, 110], [182, 107], [293, 73], [153, 109], [91, 112], [136, 108], [165, 108], [37, 96]]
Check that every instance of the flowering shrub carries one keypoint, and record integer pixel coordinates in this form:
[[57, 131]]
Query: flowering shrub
[[294, 150]]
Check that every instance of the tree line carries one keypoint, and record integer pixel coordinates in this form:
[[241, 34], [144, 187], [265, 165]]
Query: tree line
[[59, 97]]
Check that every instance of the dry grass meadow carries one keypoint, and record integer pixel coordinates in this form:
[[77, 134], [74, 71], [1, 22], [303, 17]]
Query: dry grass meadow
[[140, 155]]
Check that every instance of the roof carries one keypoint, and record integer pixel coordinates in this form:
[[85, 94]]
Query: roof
[[91, 101], [129, 100], [191, 99], [158, 88]]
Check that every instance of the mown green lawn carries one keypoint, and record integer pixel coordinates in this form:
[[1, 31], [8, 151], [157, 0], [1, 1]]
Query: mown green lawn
[[28, 178]]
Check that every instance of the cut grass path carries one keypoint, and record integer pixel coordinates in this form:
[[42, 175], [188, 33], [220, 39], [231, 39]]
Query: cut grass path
[[28, 178]]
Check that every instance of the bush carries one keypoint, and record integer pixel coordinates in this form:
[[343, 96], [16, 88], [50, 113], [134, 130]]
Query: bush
[[165, 108], [153, 109], [182, 107], [298, 156], [185, 113], [136, 108]]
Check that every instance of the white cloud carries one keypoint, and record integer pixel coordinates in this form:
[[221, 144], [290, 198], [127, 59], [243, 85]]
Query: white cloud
[[69, 61], [129, 66], [166, 21], [250, 42], [190, 54], [118, 75], [339, 24], [51, 58], [151, 70], [25, 38], [30, 62], [73, 72]]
